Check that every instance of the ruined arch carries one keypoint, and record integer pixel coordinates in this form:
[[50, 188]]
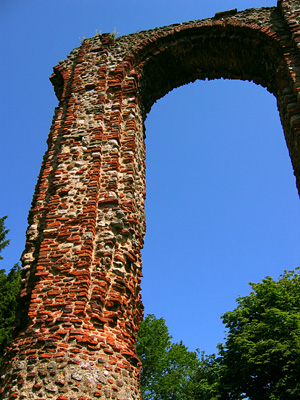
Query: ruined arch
[[82, 263], [207, 168], [214, 52]]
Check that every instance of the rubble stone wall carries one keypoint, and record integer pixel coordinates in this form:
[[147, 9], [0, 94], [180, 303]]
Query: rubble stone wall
[[80, 306]]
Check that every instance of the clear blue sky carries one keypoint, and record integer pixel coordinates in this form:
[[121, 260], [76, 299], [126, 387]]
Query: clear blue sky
[[222, 205]]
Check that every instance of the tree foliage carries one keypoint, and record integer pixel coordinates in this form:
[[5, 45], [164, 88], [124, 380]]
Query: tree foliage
[[167, 368], [261, 355], [9, 289], [3, 232], [259, 359], [205, 382]]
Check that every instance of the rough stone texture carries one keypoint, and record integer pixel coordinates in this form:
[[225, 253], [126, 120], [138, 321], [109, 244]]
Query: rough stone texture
[[80, 306]]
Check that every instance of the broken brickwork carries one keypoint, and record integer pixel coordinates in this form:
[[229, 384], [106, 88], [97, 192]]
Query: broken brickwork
[[80, 303]]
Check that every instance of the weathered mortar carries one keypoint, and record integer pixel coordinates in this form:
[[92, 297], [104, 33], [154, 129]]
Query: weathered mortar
[[80, 304]]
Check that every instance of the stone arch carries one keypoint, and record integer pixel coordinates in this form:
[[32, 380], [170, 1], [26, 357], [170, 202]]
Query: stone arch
[[82, 262], [195, 187], [244, 47], [229, 52]]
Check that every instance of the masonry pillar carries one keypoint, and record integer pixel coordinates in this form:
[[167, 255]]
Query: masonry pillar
[[81, 306]]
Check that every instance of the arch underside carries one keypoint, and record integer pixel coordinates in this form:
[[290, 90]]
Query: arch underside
[[223, 51], [229, 53]]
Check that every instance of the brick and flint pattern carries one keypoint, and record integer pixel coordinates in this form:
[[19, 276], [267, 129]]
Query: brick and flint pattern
[[80, 305]]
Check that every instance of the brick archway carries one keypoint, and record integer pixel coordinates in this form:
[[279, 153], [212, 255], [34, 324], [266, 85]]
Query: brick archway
[[80, 303]]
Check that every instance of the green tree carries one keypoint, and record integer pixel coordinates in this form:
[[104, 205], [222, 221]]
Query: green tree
[[259, 360], [9, 289], [261, 355], [167, 368], [205, 382], [3, 232]]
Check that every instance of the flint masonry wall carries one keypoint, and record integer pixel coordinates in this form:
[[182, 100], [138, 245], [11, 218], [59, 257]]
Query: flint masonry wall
[[80, 306]]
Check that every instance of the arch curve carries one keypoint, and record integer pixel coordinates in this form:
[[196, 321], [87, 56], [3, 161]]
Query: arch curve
[[243, 46], [252, 45], [214, 52]]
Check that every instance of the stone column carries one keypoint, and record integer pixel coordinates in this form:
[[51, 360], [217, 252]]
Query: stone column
[[81, 306]]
